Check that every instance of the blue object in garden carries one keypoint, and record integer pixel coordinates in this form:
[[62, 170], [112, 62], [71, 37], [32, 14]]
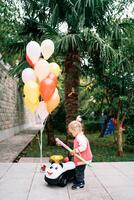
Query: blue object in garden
[[110, 128]]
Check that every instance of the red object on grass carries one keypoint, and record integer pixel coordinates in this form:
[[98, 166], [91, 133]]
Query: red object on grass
[[43, 167], [66, 159]]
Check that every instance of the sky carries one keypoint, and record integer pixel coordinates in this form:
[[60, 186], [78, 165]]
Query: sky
[[129, 11]]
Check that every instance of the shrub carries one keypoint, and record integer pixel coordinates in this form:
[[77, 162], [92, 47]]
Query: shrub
[[130, 136], [92, 126]]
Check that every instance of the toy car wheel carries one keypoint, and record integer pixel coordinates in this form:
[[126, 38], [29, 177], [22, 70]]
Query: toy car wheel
[[63, 181]]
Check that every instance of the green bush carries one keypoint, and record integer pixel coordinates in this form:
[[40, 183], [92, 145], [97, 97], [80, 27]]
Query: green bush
[[92, 126], [130, 136]]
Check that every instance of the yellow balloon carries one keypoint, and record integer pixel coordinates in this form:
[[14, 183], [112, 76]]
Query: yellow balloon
[[32, 98], [53, 102], [31, 91], [55, 69], [31, 107], [31, 87]]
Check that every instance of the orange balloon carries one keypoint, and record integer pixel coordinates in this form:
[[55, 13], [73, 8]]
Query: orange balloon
[[53, 102], [47, 88]]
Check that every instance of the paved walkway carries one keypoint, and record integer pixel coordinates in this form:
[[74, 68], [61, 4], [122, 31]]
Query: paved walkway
[[10, 148], [104, 181]]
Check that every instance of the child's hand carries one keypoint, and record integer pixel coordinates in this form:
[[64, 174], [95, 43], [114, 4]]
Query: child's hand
[[72, 152]]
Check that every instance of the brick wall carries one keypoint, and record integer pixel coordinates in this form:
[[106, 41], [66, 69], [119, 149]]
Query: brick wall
[[12, 111]]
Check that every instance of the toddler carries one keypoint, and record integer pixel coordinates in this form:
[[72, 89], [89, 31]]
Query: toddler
[[81, 146]]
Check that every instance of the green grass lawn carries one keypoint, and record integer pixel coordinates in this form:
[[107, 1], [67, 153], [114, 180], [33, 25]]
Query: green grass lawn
[[104, 149]]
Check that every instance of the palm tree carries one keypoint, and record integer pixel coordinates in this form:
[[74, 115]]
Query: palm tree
[[80, 17]]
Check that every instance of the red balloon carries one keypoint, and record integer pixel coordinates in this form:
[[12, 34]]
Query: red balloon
[[47, 88], [53, 77], [29, 61]]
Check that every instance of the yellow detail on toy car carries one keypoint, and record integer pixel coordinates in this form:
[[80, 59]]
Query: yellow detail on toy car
[[56, 158]]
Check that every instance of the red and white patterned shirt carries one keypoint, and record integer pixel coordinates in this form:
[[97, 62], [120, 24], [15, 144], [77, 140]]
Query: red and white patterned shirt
[[82, 147]]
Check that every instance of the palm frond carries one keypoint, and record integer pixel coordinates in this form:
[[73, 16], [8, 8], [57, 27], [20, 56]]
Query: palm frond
[[70, 41], [90, 4], [54, 16], [48, 31], [98, 44], [17, 69]]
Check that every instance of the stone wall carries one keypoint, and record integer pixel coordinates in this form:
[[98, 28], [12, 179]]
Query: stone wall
[[13, 116]]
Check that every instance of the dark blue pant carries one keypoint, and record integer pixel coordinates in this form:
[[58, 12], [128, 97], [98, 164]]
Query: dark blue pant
[[79, 174]]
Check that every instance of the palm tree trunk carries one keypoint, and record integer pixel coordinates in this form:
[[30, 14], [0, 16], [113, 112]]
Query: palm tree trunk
[[119, 130], [119, 141], [120, 134], [71, 84], [50, 132]]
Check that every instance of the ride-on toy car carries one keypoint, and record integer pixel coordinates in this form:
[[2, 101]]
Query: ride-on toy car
[[59, 172]]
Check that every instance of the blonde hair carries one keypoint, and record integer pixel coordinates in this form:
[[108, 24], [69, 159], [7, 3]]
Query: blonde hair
[[76, 124]]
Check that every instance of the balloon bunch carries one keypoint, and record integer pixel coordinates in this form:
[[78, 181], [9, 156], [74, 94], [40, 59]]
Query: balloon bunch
[[41, 79]]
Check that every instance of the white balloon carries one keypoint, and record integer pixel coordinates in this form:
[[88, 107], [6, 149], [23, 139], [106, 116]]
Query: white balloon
[[42, 69], [41, 111], [47, 48], [28, 74], [33, 51]]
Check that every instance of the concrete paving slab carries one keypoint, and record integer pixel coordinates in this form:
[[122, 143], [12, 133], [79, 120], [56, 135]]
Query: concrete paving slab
[[93, 182], [40, 190], [19, 170], [15, 188], [13, 146], [111, 176], [17, 182], [115, 181], [4, 168], [125, 168], [106, 169], [88, 193], [24, 181], [122, 193]]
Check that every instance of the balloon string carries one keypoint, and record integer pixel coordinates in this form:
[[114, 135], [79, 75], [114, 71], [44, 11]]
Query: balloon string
[[41, 131], [40, 142]]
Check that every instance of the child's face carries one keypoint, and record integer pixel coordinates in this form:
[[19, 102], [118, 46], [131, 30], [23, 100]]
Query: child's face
[[74, 132]]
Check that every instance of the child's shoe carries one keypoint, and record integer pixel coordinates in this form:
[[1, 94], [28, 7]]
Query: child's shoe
[[78, 186]]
